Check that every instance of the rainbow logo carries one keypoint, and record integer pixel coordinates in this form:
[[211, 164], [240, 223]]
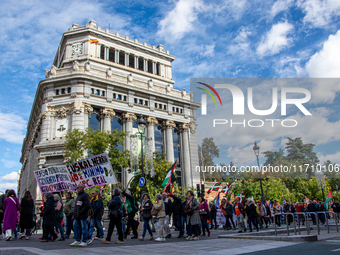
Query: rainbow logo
[[209, 93]]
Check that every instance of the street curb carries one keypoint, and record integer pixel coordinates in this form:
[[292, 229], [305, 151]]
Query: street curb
[[299, 238]]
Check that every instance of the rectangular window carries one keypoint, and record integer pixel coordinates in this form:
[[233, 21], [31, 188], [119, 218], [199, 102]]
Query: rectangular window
[[149, 66], [57, 92], [155, 105], [146, 103], [121, 58], [177, 110], [135, 100], [140, 101], [103, 93], [102, 50], [141, 64], [68, 90], [114, 95], [173, 109], [181, 110], [158, 67], [124, 98], [119, 97], [164, 107], [111, 55], [131, 61], [160, 106], [92, 91], [63, 91], [97, 92]]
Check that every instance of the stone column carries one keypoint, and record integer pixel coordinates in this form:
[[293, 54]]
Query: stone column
[[186, 171], [127, 119], [116, 56], [145, 65], [87, 114], [78, 115], [169, 125], [106, 114], [45, 120], [136, 62], [195, 176], [150, 125], [127, 59]]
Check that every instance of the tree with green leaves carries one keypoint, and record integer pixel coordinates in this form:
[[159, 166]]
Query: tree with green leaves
[[209, 152]]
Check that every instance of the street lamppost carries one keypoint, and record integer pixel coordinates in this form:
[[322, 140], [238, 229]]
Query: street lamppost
[[141, 123], [256, 149]]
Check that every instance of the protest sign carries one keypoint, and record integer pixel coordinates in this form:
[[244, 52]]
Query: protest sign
[[54, 179], [91, 172], [220, 218]]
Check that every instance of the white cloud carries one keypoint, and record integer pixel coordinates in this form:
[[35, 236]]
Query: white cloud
[[326, 62], [8, 185], [241, 42], [280, 6], [319, 13], [179, 20], [12, 128], [9, 177], [33, 30], [334, 158], [275, 40]]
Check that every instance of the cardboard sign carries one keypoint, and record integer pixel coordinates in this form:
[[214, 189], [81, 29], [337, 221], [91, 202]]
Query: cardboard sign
[[91, 172], [220, 218]]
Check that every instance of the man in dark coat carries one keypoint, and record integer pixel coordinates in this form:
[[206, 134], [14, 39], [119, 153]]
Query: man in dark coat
[[251, 213], [96, 213], [177, 210], [81, 211], [49, 218], [312, 208], [2, 200], [213, 214]]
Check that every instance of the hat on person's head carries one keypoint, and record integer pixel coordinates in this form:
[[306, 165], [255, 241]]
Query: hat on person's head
[[258, 201]]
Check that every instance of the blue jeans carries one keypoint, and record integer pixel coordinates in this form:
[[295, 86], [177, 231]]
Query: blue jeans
[[205, 225], [146, 226], [80, 230], [60, 227], [192, 228], [99, 225], [178, 223], [123, 225]]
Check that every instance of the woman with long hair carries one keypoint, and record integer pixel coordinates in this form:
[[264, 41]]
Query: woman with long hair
[[26, 215], [193, 219], [11, 207]]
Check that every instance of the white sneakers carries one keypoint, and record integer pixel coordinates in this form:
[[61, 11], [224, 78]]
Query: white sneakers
[[75, 243], [82, 244], [90, 240], [160, 239]]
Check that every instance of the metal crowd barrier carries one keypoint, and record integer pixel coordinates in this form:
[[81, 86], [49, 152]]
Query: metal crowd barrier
[[306, 218]]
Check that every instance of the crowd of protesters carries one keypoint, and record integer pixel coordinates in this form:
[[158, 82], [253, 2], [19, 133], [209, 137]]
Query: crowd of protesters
[[192, 217]]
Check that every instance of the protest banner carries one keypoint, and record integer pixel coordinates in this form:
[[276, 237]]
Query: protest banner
[[54, 179], [91, 172], [220, 218]]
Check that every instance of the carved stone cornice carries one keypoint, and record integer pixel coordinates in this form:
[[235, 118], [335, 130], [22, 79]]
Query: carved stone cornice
[[183, 127], [151, 121], [193, 126], [128, 117], [168, 124], [106, 112]]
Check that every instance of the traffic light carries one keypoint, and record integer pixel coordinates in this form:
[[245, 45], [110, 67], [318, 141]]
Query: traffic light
[[198, 189], [202, 190]]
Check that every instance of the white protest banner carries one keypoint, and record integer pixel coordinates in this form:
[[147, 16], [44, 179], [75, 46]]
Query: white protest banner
[[93, 171], [54, 179], [220, 218]]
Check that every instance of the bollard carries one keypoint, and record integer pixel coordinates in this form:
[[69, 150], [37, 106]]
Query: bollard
[[287, 224]]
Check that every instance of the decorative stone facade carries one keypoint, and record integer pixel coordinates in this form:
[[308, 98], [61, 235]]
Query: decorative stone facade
[[115, 80]]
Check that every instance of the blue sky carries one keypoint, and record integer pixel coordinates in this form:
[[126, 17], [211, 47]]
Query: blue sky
[[230, 38]]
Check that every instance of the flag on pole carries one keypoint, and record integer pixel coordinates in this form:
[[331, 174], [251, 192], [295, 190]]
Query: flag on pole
[[170, 177], [93, 41], [101, 190], [226, 189], [329, 197], [241, 195], [201, 155], [217, 201], [215, 187]]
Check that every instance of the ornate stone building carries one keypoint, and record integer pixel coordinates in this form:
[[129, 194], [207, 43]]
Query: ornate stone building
[[103, 80]]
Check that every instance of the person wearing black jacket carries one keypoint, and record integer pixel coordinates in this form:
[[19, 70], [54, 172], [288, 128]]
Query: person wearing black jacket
[[312, 208], [251, 213], [131, 210], [95, 217], [177, 210], [336, 209], [213, 213], [168, 211], [115, 215], [229, 215], [146, 208], [290, 208], [49, 218], [81, 212]]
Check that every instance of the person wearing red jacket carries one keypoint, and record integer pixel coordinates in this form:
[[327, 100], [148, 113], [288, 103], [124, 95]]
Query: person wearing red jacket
[[300, 209]]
